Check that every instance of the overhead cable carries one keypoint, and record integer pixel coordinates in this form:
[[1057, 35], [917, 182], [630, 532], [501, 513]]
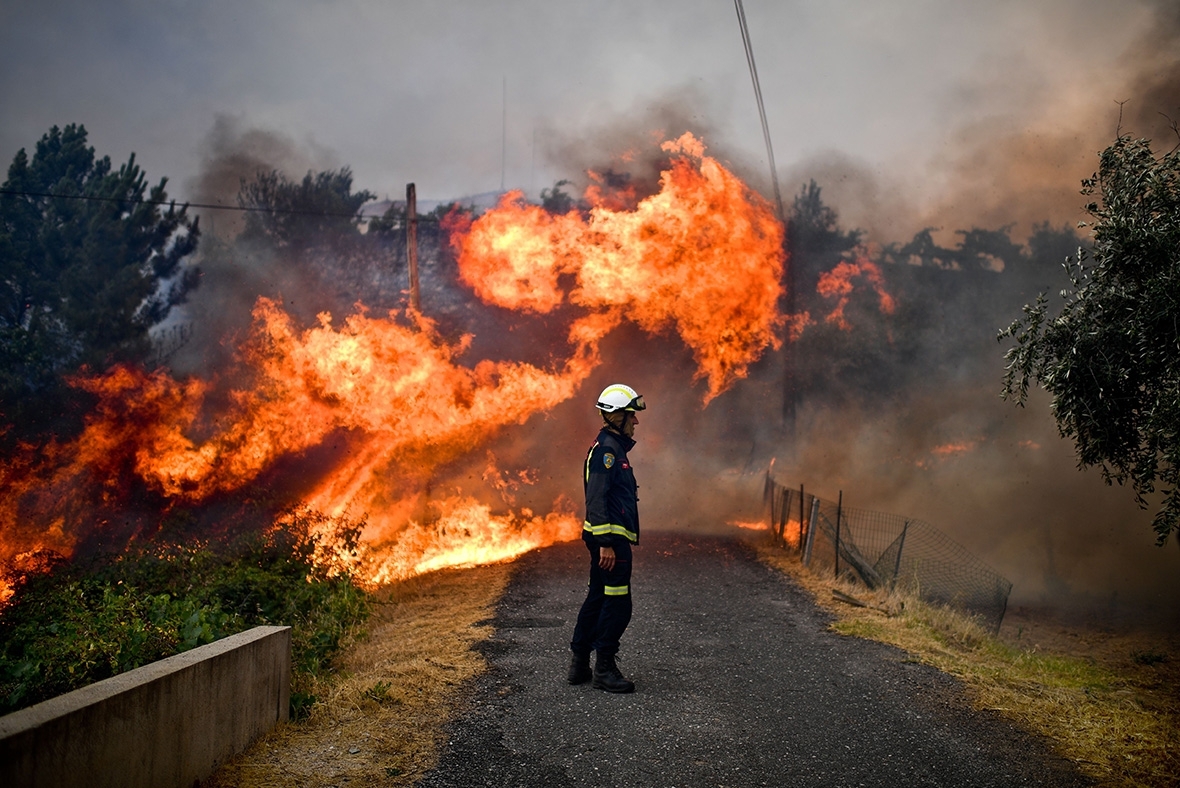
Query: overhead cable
[[204, 206], [778, 197]]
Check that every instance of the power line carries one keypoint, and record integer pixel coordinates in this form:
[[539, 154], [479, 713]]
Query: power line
[[205, 206], [790, 390], [741, 13], [504, 136]]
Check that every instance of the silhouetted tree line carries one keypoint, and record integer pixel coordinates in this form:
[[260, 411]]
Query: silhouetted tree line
[[92, 264], [949, 302], [315, 225]]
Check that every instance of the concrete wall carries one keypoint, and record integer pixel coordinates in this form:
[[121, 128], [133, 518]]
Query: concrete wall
[[170, 723]]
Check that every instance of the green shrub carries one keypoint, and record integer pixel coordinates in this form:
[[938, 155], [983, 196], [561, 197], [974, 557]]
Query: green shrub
[[81, 622]]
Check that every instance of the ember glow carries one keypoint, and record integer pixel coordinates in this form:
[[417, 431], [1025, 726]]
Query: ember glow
[[838, 284], [385, 403], [751, 525], [951, 449], [945, 451]]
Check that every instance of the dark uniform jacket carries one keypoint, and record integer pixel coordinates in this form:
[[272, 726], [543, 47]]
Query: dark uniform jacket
[[612, 500]]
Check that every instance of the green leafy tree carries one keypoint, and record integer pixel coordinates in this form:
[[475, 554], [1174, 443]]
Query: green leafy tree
[[978, 250], [296, 216], [87, 267], [1111, 358]]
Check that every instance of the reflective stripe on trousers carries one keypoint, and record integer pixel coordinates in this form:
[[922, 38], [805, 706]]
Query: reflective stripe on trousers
[[607, 610]]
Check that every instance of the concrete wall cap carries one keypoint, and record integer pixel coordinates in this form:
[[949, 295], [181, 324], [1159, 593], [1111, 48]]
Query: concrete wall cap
[[34, 716]]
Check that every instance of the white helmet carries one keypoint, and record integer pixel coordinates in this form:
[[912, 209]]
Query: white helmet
[[619, 397]]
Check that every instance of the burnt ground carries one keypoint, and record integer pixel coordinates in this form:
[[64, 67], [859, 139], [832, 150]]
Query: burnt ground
[[738, 683]]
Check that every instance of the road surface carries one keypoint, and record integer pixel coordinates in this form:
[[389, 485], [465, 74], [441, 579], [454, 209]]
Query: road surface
[[738, 683]]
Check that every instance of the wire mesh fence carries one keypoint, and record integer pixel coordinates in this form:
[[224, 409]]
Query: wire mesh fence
[[885, 551]]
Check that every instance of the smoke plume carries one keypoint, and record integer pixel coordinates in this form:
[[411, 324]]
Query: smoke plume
[[914, 424]]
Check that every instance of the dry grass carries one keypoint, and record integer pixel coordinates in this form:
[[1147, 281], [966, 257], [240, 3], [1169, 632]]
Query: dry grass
[[379, 718], [1114, 712]]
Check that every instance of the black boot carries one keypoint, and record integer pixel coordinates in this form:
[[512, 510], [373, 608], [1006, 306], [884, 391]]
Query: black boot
[[608, 677], [580, 671]]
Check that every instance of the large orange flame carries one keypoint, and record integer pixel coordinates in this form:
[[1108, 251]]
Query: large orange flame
[[397, 385], [703, 257]]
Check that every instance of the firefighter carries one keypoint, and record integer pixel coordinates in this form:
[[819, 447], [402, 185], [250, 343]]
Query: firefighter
[[611, 528]]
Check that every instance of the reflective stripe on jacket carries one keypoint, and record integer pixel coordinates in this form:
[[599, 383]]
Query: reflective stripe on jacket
[[612, 500]]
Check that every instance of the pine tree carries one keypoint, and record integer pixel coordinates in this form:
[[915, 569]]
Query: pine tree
[[87, 267]]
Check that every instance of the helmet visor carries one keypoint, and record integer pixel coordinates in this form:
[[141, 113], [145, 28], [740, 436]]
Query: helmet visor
[[636, 404]]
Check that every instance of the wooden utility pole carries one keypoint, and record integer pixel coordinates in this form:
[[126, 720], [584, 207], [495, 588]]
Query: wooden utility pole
[[412, 244]]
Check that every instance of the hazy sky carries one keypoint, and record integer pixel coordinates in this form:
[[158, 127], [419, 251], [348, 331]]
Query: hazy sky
[[896, 91]]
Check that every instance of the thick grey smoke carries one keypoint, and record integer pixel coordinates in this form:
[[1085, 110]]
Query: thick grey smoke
[[233, 152], [218, 314], [628, 141], [902, 413], [905, 416], [1018, 138], [943, 447]]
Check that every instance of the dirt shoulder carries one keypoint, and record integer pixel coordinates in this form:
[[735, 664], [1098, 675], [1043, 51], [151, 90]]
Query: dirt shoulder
[[1107, 699], [378, 717]]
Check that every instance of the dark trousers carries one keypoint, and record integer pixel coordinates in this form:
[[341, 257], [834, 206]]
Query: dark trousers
[[607, 610]]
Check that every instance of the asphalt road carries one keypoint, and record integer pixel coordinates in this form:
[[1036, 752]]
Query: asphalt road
[[738, 683]]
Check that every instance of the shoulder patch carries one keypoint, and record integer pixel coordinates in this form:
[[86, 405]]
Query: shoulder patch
[[608, 460]]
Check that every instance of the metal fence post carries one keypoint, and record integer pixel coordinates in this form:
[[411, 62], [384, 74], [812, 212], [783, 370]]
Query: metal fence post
[[782, 516], [839, 511], [900, 547], [939, 569], [811, 531], [800, 516], [768, 501]]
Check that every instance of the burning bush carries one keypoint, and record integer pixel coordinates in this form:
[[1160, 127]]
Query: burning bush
[[81, 622]]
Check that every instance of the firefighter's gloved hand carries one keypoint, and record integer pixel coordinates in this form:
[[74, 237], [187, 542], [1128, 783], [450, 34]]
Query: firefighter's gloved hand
[[606, 558]]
